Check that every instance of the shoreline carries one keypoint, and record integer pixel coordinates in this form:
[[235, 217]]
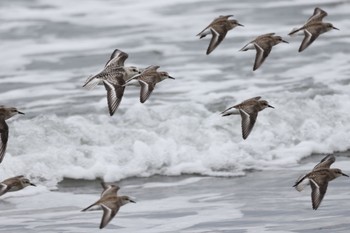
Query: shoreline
[[261, 201]]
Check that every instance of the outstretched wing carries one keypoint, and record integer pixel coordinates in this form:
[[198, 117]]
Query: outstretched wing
[[318, 192], [146, 90], [115, 94], [109, 189], [117, 58], [310, 35], [4, 133], [218, 35], [249, 100], [262, 52], [318, 15], [108, 214], [326, 162], [248, 121]]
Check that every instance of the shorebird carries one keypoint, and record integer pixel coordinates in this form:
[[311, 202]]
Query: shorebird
[[218, 28], [263, 45], [318, 178], [113, 77], [110, 203], [14, 184], [5, 113], [248, 110], [148, 80], [313, 28]]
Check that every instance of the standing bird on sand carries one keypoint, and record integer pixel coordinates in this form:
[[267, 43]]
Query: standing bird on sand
[[313, 28], [5, 113], [248, 110], [148, 80], [218, 28], [110, 203], [14, 184], [263, 45], [113, 77], [318, 178]]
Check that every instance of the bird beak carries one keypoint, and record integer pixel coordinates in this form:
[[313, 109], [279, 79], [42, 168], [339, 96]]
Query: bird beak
[[344, 175], [270, 106], [20, 112], [132, 201], [285, 41], [240, 24], [32, 184], [171, 77], [335, 28]]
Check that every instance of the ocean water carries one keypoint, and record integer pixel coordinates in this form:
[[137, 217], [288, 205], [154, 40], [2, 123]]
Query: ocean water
[[49, 48]]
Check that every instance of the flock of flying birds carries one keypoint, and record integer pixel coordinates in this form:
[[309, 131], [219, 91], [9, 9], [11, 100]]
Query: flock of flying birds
[[115, 77]]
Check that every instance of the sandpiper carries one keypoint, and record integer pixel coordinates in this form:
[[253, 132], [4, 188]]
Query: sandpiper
[[148, 80], [5, 113], [313, 28], [318, 178], [263, 45], [14, 184], [110, 203], [113, 77], [218, 28], [248, 110]]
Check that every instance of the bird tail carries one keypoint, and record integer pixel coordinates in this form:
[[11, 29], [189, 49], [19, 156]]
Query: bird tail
[[301, 183], [89, 207], [91, 82], [294, 31], [230, 111], [3, 189]]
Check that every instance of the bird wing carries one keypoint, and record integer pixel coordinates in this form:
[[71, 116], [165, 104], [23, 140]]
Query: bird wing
[[246, 103], [4, 133], [318, 15], [249, 100], [310, 35], [248, 121], [146, 89], [151, 68], [108, 214], [262, 51], [216, 21], [115, 94], [326, 162], [319, 189], [266, 35], [109, 189], [218, 35], [117, 58]]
